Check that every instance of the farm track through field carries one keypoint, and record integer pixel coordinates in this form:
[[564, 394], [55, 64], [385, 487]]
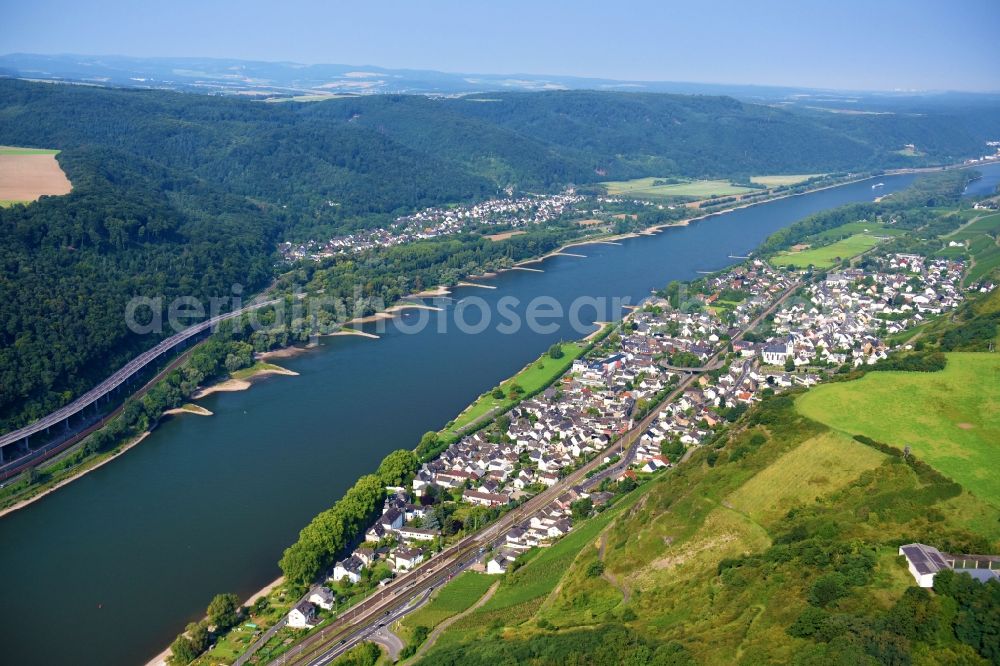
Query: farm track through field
[[607, 575], [440, 629]]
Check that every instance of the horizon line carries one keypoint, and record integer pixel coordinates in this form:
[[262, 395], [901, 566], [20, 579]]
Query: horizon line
[[884, 91]]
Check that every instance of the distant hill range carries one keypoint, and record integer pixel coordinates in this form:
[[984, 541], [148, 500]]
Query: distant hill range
[[279, 80]]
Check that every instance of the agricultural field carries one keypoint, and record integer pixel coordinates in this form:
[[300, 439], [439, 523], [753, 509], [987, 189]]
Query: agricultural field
[[827, 255], [987, 224], [532, 378], [981, 238], [12, 150], [778, 181], [28, 173], [851, 228], [698, 189], [504, 235], [950, 418], [321, 97]]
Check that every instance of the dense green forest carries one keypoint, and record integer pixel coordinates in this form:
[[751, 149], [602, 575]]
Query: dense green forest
[[179, 194], [386, 154], [70, 264]]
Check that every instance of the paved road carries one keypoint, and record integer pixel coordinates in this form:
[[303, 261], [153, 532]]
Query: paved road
[[124, 373], [390, 641], [392, 601]]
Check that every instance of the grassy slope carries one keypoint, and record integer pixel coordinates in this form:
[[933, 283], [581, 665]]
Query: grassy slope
[[981, 243], [987, 257], [663, 550], [819, 466], [524, 591], [949, 418], [454, 598]]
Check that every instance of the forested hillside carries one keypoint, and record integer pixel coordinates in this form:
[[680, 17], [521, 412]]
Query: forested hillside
[[70, 264], [392, 153], [187, 194]]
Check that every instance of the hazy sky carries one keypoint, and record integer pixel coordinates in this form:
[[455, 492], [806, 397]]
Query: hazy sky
[[871, 44]]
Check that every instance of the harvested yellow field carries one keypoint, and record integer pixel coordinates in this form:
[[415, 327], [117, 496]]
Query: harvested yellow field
[[26, 174], [505, 235], [777, 181]]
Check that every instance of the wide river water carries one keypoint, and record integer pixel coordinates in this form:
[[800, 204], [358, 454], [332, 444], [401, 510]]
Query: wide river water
[[108, 569]]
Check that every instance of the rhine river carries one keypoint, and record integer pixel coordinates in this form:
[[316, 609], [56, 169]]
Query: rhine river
[[108, 569]]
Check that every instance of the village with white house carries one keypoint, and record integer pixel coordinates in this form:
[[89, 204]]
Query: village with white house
[[507, 212], [837, 320]]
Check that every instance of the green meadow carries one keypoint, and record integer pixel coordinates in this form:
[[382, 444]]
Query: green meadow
[[12, 150], [852, 228], [539, 374], [455, 597], [828, 255], [950, 418]]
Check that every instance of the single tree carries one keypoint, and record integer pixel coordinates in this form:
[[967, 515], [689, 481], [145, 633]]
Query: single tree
[[223, 611]]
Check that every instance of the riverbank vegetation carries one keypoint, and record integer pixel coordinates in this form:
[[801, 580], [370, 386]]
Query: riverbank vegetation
[[534, 377], [329, 533], [917, 206]]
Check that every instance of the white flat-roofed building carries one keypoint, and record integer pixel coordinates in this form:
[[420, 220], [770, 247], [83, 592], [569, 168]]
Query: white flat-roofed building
[[924, 562]]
